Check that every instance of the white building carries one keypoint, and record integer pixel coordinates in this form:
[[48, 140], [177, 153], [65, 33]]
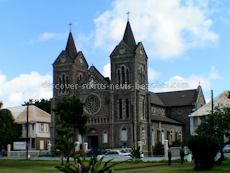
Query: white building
[[39, 125], [221, 100]]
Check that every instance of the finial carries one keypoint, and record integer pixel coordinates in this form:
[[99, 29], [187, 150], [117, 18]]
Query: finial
[[70, 26], [128, 15], [199, 83]]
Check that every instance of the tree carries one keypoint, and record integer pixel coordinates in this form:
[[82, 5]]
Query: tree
[[176, 143], [204, 149], [9, 131], [159, 149], [71, 118], [217, 124], [65, 147], [43, 104]]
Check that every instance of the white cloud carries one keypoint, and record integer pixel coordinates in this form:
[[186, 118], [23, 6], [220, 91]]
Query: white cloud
[[180, 83], [49, 35], [153, 74], [107, 70], [214, 73], [167, 28], [23, 88]]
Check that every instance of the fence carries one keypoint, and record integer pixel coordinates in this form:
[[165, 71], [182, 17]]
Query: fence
[[176, 151], [35, 153]]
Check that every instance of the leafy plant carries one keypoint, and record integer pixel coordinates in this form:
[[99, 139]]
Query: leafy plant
[[135, 154], [176, 143], [159, 149], [204, 149], [65, 147], [93, 167]]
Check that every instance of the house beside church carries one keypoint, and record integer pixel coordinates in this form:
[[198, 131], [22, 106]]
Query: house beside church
[[121, 110], [39, 125]]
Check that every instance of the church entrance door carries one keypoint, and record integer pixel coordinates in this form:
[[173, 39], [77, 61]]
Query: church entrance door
[[93, 142]]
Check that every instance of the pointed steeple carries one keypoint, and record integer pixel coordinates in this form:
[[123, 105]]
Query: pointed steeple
[[128, 37], [70, 47]]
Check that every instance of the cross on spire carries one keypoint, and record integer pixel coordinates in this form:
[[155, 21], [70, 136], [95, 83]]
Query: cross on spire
[[128, 15], [70, 26]]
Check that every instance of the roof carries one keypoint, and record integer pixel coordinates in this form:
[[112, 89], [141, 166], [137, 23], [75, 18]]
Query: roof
[[221, 99], [70, 47], [35, 114], [128, 37], [178, 98], [155, 99], [165, 119]]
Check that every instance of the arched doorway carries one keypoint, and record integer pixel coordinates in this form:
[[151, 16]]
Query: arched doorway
[[93, 138]]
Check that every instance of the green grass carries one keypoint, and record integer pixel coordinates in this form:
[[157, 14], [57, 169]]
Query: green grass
[[39, 166]]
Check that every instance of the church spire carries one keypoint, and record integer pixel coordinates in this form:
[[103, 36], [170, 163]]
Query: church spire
[[70, 47], [128, 37]]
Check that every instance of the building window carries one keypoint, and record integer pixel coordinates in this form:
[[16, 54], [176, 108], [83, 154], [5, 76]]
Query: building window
[[120, 108], [42, 127], [171, 134], [162, 137], [105, 137], [153, 142], [143, 135], [127, 75], [63, 82], [180, 138], [195, 122], [123, 74], [119, 77], [127, 108], [124, 134], [32, 127]]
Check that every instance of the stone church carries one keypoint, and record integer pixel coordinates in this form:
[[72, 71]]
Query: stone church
[[121, 110]]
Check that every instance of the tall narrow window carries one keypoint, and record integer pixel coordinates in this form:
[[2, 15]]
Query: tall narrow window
[[162, 137], [141, 75], [153, 142], [80, 77], [119, 77], [127, 108], [105, 137], [59, 85], [171, 136], [120, 108], [63, 82], [123, 74], [67, 83], [143, 109], [127, 75], [124, 134]]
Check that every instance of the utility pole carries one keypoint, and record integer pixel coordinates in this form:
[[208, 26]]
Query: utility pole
[[212, 100], [27, 124]]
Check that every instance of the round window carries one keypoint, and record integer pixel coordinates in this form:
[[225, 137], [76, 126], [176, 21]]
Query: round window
[[92, 104]]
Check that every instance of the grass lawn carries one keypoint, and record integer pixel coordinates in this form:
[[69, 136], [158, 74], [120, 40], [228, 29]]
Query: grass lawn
[[38, 166]]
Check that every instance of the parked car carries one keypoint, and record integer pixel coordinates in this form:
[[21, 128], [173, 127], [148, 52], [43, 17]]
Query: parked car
[[95, 152], [118, 152]]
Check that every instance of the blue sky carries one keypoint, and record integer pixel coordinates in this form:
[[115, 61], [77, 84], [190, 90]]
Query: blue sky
[[186, 41]]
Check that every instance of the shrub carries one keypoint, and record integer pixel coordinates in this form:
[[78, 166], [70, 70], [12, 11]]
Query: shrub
[[204, 149], [176, 143], [135, 154], [159, 149]]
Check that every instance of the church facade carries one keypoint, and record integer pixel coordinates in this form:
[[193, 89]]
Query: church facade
[[121, 110]]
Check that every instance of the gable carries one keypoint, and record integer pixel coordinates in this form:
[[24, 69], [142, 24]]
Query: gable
[[122, 49], [140, 50], [63, 58], [93, 75], [80, 59]]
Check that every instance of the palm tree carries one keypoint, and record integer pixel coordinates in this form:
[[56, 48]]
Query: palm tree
[[65, 147], [1, 104]]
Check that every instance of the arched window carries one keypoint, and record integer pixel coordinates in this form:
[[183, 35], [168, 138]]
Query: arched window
[[67, 83], [118, 77], [153, 142], [162, 137], [127, 108], [63, 82], [124, 134], [171, 134], [123, 74], [127, 76], [80, 77], [105, 137], [59, 85]]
